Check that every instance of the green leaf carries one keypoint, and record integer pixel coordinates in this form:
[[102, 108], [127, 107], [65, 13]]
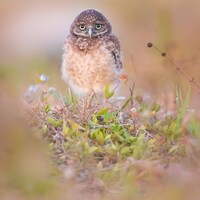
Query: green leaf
[[47, 108], [108, 137], [102, 112], [74, 126], [65, 128], [93, 134], [58, 122], [94, 119], [93, 149], [173, 149], [49, 119], [55, 123], [107, 92], [155, 107], [86, 146], [125, 151], [100, 138], [114, 147]]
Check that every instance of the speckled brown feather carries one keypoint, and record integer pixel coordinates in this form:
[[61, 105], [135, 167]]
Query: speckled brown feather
[[89, 64]]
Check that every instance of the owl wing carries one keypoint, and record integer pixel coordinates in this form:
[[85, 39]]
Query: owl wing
[[114, 46]]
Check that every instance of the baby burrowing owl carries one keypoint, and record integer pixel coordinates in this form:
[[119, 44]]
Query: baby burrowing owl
[[91, 57]]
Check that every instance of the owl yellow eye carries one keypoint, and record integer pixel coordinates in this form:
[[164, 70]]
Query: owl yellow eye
[[98, 26], [82, 27]]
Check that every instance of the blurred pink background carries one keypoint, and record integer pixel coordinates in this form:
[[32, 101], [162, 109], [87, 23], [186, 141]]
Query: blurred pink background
[[32, 35]]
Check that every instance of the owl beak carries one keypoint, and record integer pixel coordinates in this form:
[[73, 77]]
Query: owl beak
[[90, 32]]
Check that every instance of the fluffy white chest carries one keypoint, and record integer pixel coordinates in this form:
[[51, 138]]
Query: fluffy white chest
[[88, 72]]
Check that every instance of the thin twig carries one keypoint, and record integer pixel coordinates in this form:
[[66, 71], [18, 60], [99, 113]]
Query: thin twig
[[178, 69]]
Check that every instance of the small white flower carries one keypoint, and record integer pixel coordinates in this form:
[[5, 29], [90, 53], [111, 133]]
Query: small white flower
[[121, 98], [52, 89], [133, 110], [44, 78], [32, 89]]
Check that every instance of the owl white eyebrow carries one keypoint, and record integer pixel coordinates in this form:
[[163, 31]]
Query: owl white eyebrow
[[81, 23], [98, 22]]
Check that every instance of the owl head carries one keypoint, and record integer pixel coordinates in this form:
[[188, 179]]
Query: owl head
[[90, 24]]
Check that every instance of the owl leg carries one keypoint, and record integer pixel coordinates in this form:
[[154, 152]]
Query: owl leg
[[89, 100], [87, 103]]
